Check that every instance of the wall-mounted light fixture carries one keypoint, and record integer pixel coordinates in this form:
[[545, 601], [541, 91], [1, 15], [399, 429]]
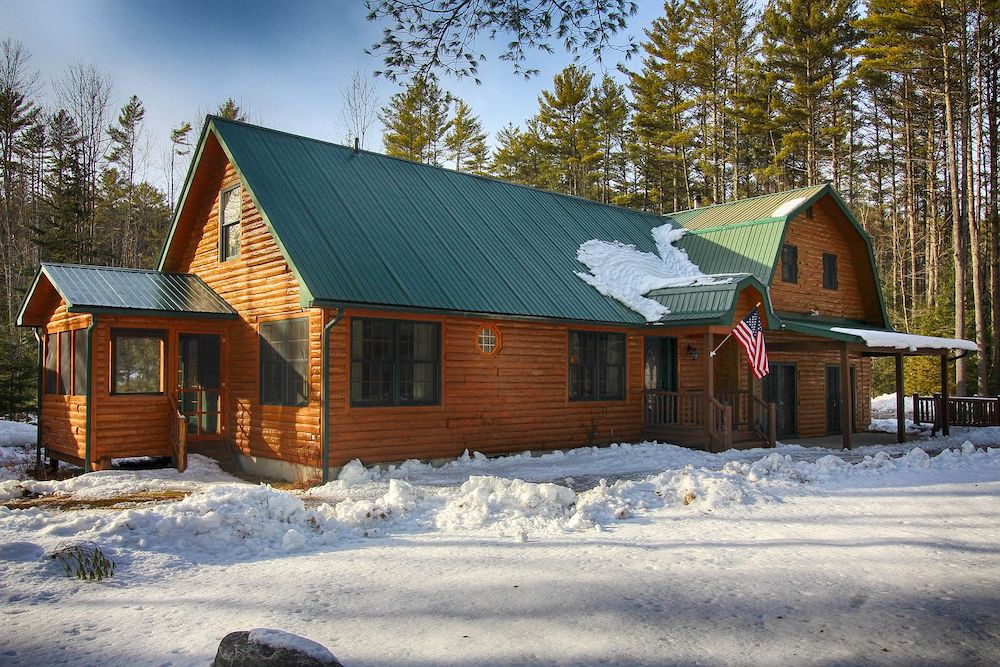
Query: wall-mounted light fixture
[[693, 352]]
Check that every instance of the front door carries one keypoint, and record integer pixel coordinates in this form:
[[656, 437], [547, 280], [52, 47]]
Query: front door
[[779, 388], [199, 382]]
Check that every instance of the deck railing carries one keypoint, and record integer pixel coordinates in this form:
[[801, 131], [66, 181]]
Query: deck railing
[[177, 432], [728, 411], [962, 411]]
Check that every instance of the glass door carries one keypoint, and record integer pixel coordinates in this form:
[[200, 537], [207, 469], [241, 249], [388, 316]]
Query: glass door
[[198, 382]]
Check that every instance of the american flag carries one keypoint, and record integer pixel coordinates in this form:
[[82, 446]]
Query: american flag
[[750, 333]]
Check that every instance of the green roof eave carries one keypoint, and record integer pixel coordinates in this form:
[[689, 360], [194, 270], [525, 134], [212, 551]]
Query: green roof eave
[[715, 316], [148, 312]]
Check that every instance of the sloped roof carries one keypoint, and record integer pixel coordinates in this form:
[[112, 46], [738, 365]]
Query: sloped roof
[[707, 304], [364, 228], [100, 289]]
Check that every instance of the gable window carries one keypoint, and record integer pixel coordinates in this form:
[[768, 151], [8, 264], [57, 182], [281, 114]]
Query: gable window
[[395, 362], [829, 271], [66, 363], [596, 366], [136, 361], [284, 362], [789, 264], [229, 223]]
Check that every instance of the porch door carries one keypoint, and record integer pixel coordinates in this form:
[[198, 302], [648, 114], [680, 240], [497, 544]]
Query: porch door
[[660, 369], [833, 400], [198, 382], [780, 389]]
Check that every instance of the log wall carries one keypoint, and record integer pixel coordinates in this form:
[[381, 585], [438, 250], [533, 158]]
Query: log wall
[[517, 399], [64, 417]]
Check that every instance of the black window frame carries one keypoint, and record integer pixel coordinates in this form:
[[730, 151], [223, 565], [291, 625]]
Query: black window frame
[[396, 366], [81, 374], [789, 263], [156, 334], [830, 277], [288, 353], [224, 254], [588, 368]]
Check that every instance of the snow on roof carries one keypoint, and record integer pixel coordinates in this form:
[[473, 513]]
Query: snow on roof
[[788, 207], [623, 272], [905, 341]]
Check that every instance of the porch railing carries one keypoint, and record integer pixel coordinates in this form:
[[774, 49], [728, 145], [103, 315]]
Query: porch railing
[[961, 411], [727, 412], [177, 432]]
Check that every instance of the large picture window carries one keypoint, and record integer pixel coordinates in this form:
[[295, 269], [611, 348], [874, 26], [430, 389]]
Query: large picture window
[[229, 223], [136, 361], [284, 362], [395, 362], [596, 366]]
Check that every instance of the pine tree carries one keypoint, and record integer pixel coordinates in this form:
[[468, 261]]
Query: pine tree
[[180, 146], [569, 132], [405, 133], [466, 141], [609, 110], [231, 110], [61, 233], [125, 137]]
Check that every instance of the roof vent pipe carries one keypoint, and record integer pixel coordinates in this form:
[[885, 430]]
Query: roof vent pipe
[[357, 145]]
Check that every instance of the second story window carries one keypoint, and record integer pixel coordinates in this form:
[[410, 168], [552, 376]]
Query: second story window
[[229, 223], [829, 271], [789, 264]]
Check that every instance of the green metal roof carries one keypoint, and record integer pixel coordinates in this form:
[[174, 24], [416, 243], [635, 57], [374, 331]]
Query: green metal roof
[[364, 228], [781, 205], [97, 289], [707, 304]]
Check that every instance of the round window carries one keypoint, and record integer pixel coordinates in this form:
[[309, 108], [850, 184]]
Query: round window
[[488, 340]]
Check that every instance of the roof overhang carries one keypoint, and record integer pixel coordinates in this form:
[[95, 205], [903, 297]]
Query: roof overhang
[[710, 304], [873, 340]]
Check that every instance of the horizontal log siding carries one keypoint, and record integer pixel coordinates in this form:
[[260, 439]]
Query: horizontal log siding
[[64, 418], [260, 286], [513, 401], [828, 231], [136, 424]]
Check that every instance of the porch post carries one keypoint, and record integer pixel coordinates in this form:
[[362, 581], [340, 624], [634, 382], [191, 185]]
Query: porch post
[[845, 397], [945, 427], [709, 384], [900, 401]]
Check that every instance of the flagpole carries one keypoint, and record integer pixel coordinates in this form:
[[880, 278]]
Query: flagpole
[[712, 353]]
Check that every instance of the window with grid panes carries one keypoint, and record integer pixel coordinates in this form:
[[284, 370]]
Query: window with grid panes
[[284, 362], [596, 366], [829, 271], [229, 223], [395, 362]]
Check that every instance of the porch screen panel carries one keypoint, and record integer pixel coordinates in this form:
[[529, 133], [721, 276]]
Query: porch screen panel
[[80, 370], [284, 362], [137, 361], [51, 363], [65, 362]]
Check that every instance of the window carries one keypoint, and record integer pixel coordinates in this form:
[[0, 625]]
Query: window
[[66, 363], [596, 366], [829, 271], [395, 362], [284, 362], [488, 340], [789, 264], [136, 361], [229, 223]]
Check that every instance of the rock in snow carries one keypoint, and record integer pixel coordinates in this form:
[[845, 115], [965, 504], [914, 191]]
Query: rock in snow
[[266, 647]]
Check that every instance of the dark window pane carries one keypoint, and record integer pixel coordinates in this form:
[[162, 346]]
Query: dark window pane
[[394, 362], [284, 362], [137, 363], [229, 223], [80, 370], [596, 366], [829, 271], [789, 264]]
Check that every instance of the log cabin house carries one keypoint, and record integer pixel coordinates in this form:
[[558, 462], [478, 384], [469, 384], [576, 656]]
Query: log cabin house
[[314, 304]]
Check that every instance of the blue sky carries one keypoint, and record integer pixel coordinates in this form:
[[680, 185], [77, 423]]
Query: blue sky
[[285, 62]]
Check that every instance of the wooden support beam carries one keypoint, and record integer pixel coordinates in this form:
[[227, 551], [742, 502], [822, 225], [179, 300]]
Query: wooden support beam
[[945, 427], [845, 397], [900, 402], [707, 346]]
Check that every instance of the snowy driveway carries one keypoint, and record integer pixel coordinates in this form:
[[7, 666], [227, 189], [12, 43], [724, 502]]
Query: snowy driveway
[[742, 558]]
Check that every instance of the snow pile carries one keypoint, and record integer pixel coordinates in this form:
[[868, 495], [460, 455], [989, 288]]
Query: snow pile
[[623, 272], [511, 505], [17, 449], [884, 406], [789, 206], [286, 640]]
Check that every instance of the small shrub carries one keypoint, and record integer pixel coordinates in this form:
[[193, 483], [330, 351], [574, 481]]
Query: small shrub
[[84, 560]]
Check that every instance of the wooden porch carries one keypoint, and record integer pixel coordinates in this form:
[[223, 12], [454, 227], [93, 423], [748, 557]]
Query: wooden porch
[[731, 419]]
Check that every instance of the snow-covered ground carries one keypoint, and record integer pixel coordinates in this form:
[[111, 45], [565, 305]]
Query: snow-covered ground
[[787, 556]]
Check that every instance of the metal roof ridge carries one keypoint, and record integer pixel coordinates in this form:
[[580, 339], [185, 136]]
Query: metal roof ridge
[[734, 225], [745, 199]]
